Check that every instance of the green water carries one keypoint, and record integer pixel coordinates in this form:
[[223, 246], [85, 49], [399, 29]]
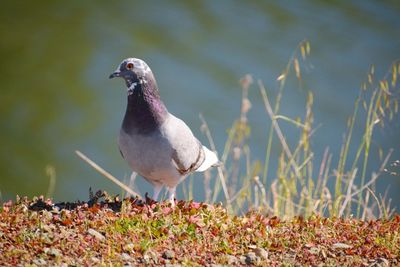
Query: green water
[[56, 97]]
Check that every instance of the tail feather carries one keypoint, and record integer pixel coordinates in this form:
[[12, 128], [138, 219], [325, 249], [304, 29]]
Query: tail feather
[[211, 160]]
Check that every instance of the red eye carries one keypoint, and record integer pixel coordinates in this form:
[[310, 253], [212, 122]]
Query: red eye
[[129, 66]]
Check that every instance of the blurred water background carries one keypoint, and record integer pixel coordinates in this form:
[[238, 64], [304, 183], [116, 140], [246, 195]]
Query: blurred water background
[[56, 96]]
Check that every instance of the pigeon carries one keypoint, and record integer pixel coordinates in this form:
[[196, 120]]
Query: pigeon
[[157, 145]]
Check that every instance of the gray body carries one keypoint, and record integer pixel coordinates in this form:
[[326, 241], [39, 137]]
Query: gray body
[[164, 156], [156, 144]]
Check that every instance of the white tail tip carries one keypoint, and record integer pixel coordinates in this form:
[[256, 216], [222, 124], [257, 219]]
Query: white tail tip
[[211, 159]]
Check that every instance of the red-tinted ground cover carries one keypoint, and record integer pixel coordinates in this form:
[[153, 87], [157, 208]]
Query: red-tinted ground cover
[[132, 233]]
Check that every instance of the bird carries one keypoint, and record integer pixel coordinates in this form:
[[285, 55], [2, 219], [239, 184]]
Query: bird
[[156, 144]]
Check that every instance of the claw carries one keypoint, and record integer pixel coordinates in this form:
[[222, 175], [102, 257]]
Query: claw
[[148, 200]]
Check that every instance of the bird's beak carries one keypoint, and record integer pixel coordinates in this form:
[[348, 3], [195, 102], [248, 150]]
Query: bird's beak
[[115, 74]]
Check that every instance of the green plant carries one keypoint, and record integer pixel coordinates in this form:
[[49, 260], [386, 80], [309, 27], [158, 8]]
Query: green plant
[[300, 186]]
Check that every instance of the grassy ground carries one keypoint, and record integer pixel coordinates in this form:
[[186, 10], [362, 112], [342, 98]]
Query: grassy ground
[[121, 233]]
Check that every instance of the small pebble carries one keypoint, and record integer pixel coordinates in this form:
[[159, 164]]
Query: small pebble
[[150, 257], [231, 260], [39, 261], [341, 246], [251, 258], [146, 259], [314, 250], [242, 259], [383, 262], [129, 247], [94, 259], [262, 253], [52, 252], [96, 234], [126, 256], [168, 255]]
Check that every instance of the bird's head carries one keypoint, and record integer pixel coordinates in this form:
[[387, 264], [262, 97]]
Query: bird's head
[[132, 70]]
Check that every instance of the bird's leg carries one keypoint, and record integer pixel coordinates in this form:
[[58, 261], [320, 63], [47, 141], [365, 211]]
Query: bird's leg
[[171, 196], [156, 191], [132, 181]]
